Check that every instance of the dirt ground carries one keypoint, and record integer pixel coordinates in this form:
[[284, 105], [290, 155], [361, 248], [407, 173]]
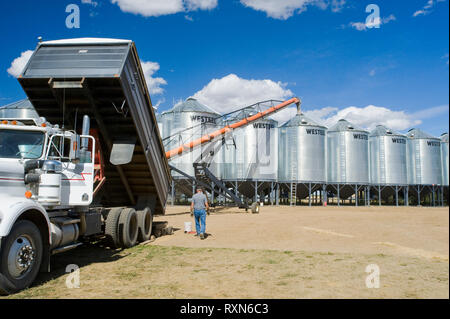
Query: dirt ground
[[408, 231], [283, 252]]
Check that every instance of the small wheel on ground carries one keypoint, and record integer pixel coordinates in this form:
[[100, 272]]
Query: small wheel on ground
[[20, 257], [112, 227], [128, 228], [145, 223], [255, 208]]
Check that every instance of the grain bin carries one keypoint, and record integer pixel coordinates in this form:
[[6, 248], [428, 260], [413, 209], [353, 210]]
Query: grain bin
[[160, 124], [444, 157], [301, 154], [254, 157], [347, 156], [387, 157], [423, 158], [185, 122]]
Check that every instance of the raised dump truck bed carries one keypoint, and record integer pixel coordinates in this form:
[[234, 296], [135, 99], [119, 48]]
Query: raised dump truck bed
[[103, 78]]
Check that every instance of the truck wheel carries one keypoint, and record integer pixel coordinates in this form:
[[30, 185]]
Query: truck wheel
[[112, 227], [255, 208], [145, 223], [128, 228], [20, 257]]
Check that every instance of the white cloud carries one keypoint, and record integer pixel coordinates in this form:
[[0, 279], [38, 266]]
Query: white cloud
[[155, 8], [427, 8], [284, 9], [361, 26], [192, 5], [366, 117], [232, 92], [91, 2], [370, 116], [154, 84], [19, 63]]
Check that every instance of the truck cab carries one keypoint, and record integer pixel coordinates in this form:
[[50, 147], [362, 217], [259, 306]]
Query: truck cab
[[44, 176]]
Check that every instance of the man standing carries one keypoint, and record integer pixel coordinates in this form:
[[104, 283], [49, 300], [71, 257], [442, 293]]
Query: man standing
[[199, 205]]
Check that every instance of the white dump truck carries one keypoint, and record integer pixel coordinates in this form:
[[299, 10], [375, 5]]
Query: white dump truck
[[90, 165]]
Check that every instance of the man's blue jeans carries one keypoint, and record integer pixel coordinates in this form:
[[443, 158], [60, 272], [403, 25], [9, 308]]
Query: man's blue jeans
[[200, 221]]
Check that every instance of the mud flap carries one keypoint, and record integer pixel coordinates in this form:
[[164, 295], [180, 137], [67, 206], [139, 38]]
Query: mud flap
[[45, 264]]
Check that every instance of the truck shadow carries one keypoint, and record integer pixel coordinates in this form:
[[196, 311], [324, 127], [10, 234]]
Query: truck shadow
[[82, 256]]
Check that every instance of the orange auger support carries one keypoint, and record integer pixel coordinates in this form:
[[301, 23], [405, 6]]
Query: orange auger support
[[211, 136]]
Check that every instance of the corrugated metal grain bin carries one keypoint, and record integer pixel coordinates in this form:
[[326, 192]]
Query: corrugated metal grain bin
[[103, 78], [255, 156], [387, 157], [185, 122], [301, 151], [444, 156], [347, 154], [160, 125], [424, 158]]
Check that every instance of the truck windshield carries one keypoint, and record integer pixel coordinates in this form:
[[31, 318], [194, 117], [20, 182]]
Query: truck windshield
[[21, 144]]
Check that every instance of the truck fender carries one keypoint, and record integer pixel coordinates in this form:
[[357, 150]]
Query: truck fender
[[13, 209]]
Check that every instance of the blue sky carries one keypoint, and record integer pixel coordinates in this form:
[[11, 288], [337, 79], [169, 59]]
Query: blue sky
[[230, 53]]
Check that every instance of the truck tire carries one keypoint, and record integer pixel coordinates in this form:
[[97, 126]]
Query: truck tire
[[255, 208], [112, 227], [20, 257], [145, 223], [128, 228]]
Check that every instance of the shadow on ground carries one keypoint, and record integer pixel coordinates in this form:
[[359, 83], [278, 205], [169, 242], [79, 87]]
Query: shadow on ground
[[82, 256]]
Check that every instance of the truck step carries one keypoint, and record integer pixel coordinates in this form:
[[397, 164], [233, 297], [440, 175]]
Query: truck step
[[65, 248]]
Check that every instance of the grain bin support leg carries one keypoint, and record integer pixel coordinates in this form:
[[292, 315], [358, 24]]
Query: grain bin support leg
[[356, 195], [434, 195], [366, 195], [396, 195], [309, 191], [277, 195], [379, 195], [338, 194], [407, 195], [418, 195], [272, 191], [325, 194]]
